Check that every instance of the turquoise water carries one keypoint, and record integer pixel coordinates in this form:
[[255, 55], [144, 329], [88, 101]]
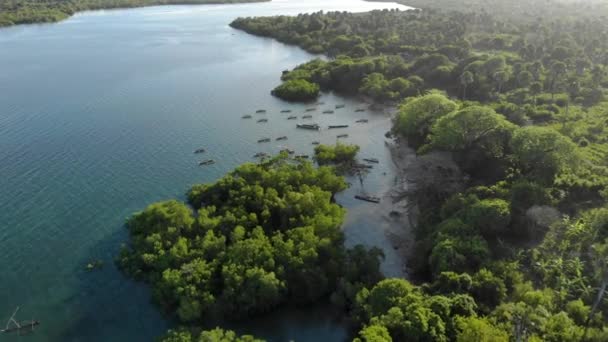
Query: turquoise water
[[99, 116]]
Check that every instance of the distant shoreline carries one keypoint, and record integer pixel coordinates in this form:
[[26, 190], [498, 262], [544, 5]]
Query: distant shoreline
[[24, 12]]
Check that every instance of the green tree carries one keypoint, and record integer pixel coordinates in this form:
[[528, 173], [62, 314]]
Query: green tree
[[543, 152], [472, 127], [473, 329], [374, 333], [418, 115], [297, 90]]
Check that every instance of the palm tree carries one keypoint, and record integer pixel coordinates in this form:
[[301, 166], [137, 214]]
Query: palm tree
[[600, 253], [535, 89], [597, 75], [557, 69], [501, 77], [465, 79]]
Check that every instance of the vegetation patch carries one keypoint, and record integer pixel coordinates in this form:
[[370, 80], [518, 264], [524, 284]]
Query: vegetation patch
[[263, 235]]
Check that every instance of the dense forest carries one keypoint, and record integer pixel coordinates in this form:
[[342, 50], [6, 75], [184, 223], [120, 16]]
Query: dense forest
[[14, 12], [519, 103]]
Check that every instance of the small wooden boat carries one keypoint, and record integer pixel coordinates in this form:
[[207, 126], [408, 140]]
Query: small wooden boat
[[362, 121], [302, 156], [371, 160], [260, 111], [309, 126], [368, 198], [246, 116], [207, 162], [342, 136], [337, 126], [362, 167], [21, 327], [293, 117], [288, 151], [328, 112], [311, 109], [262, 120], [286, 111], [281, 138], [307, 117], [200, 150], [340, 106], [264, 140], [359, 110], [316, 143], [260, 155]]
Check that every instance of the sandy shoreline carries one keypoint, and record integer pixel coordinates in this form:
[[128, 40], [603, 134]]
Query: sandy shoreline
[[398, 206]]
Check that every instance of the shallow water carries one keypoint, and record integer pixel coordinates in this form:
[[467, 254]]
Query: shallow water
[[99, 116]]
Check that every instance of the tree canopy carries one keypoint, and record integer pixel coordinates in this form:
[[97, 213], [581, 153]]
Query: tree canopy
[[261, 235]]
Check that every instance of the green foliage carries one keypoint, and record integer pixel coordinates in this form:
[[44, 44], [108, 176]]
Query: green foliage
[[473, 329], [417, 115], [337, 154], [264, 233], [214, 335], [542, 153], [471, 129], [374, 333], [297, 90]]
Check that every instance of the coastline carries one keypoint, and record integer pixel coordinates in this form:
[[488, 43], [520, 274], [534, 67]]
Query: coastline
[[399, 204], [60, 14], [397, 207]]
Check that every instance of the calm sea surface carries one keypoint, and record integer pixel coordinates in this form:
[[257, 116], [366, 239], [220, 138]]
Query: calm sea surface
[[99, 116]]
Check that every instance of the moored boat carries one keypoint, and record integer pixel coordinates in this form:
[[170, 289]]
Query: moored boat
[[371, 160], [260, 111], [309, 126], [263, 140], [302, 156], [337, 126], [307, 117], [367, 198], [316, 143], [286, 111], [359, 110], [362, 121], [293, 117], [262, 120], [282, 138], [340, 106], [246, 116], [200, 150], [342, 136], [206, 162], [362, 167], [328, 112], [20, 327], [311, 109]]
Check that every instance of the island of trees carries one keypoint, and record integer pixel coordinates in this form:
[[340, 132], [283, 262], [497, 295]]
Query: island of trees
[[14, 12], [263, 235], [520, 252]]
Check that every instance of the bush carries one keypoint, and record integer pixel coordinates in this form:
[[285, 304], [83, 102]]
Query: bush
[[297, 90]]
